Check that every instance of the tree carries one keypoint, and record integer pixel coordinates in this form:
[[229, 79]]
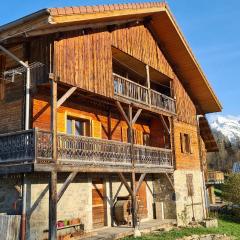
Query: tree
[[231, 189]]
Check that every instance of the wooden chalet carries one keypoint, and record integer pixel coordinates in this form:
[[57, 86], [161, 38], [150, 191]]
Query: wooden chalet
[[104, 100]]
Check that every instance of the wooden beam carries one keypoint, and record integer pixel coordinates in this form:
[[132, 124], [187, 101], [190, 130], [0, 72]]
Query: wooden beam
[[66, 184], [165, 124], [66, 96], [52, 234], [148, 84], [140, 182], [124, 181], [124, 115], [170, 181], [136, 116], [54, 116]]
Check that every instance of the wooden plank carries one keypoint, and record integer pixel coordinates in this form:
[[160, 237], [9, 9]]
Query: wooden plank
[[66, 184], [136, 116], [122, 112], [170, 181], [66, 96], [124, 181], [54, 116], [165, 124], [53, 206]]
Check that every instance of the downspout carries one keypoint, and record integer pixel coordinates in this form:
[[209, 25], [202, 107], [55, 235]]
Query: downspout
[[27, 114], [203, 177]]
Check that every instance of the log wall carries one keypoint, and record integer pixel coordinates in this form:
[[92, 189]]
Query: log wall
[[99, 122], [12, 95]]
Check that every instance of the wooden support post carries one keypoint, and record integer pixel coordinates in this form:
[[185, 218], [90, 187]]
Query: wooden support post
[[66, 96], [66, 184], [54, 116], [133, 182], [148, 84], [165, 124], [52, 234], [109, 124]]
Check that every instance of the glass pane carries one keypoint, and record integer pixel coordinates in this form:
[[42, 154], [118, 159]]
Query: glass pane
[[69, 126], [79, 128]]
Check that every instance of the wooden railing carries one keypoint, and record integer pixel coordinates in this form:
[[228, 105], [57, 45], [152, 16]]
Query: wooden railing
[[215, 177], [17, 146], [162, 101], [129, 89], [133, 91], [36, 145]]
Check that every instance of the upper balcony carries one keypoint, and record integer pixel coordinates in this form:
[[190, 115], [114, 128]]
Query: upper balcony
[[133, 91], [35, 146]]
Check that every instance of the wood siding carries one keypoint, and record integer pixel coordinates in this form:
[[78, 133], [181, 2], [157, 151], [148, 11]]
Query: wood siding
[[186, 110], [85, 61], [12, 95], [138, 42], [185, 160], [100, 127]]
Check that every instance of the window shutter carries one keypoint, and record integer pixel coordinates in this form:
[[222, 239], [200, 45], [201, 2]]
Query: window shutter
[[138, 137], [96, 129], [182, 142], [124, 133]]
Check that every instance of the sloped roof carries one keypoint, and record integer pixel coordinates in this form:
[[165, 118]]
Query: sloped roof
[[207, 136], [162, 23]]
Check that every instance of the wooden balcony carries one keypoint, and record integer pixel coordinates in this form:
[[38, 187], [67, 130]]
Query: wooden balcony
[[35, 146], [133, 91], [215, 177]]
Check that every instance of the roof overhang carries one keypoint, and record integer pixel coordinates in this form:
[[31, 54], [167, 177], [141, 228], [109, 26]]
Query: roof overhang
[[207, 136], [162, 22]]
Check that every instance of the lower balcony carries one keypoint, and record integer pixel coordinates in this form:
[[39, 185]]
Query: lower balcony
[[35, 146]]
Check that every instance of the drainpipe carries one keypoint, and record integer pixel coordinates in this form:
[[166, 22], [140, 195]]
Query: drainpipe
[[27, 114], [205, 212]]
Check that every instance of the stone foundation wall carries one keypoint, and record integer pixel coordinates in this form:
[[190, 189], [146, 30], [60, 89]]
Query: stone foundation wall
[[184, 202], [76, 202]]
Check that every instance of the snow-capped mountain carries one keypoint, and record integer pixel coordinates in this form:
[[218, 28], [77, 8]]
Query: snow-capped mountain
[[226, 130], [229, 126]]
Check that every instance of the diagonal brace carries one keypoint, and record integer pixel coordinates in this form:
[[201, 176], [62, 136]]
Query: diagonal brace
[[124, 181], [170, 181], [66, 96], [66, 184]]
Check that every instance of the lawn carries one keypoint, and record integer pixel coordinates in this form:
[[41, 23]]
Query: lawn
[[227, 225]]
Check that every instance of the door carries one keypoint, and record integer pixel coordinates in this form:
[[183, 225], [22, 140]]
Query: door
[[142, 201], [98, 203]]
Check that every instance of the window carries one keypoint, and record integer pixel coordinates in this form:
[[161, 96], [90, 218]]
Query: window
[[78, 126], [185, 143], [189, 181]]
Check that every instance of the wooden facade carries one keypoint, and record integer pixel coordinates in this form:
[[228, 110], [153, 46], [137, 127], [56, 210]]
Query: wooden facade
[[106, 98]]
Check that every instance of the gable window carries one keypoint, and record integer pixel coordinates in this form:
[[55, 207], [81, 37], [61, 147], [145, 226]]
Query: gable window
[[185, 143], [189, 181], [78, 126]]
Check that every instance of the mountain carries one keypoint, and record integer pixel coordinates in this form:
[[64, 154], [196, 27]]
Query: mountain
[[226, 130]]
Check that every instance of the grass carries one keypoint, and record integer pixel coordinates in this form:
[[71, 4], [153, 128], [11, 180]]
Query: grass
[[227, 225]]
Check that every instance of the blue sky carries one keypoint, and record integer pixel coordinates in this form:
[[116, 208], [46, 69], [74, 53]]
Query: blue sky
[[210, 27]]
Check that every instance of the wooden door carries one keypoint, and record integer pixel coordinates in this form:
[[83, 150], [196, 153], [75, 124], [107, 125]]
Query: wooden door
[[142, 198], [98, 203]]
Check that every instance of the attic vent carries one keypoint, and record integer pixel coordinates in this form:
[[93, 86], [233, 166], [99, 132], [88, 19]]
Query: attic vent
[[9, 75]]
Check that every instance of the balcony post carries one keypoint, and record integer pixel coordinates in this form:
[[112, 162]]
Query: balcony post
[[148, 84], [54, 116]]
